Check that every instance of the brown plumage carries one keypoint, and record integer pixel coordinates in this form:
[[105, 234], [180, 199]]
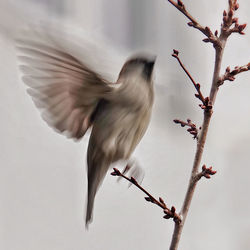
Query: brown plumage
[[73, 98]]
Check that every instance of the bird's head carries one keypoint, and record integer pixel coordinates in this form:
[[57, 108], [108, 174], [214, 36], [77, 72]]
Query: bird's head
[[139, 64]]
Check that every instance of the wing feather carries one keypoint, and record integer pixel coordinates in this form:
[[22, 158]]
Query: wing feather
[[65, 90]]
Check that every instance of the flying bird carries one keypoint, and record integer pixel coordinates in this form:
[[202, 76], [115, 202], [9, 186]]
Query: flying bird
[[73, 98]]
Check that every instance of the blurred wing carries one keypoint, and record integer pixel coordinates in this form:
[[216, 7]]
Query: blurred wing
[[66, 90]]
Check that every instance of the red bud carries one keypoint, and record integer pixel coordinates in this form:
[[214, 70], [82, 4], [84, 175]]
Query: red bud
[[133, 180], [166, 216], [242, 27], [161, 200], [173, 209], [231, 78], [235, 20], [180, 3], [206, 40], [234, 72], [230, 13], [176, 52]]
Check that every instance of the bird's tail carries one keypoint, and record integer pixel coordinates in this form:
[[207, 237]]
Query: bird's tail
[[90, 205], [97, 169]]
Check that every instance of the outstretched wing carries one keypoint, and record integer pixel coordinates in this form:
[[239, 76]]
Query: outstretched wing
[[65, 90]]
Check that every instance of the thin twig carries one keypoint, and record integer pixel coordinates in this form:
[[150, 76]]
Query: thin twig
[[206, 172], [196, 85], [205, 101], [191, 127], [169, 212], [230, 75], [194, 23]]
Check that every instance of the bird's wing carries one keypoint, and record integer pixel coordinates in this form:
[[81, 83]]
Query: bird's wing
[[62, 87]]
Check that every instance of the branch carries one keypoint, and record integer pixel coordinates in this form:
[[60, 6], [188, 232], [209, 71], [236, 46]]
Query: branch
[[192, 127], [169, 212], [228, 21], [205, 101], [230, 75], [195, 24], [206, 172], [219, 43]]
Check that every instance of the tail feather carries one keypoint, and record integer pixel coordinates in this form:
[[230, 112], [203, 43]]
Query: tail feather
[[98, 165], [89, 211]]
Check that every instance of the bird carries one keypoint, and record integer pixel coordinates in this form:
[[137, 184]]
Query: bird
[[74, 98]]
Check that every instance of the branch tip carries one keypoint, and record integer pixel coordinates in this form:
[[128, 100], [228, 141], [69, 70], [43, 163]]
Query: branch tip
[[149, 197], [206, 172], [206, 40], [229, 74], [170, 213], [191, 127], [191, 24], [205, 101], [180, 3], [116, 172]]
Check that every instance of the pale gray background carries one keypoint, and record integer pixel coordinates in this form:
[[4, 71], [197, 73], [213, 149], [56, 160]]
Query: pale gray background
[[43, 175]]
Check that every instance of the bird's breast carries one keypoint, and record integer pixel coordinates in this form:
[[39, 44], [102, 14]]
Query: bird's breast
[[122, 121], [135, 94]]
